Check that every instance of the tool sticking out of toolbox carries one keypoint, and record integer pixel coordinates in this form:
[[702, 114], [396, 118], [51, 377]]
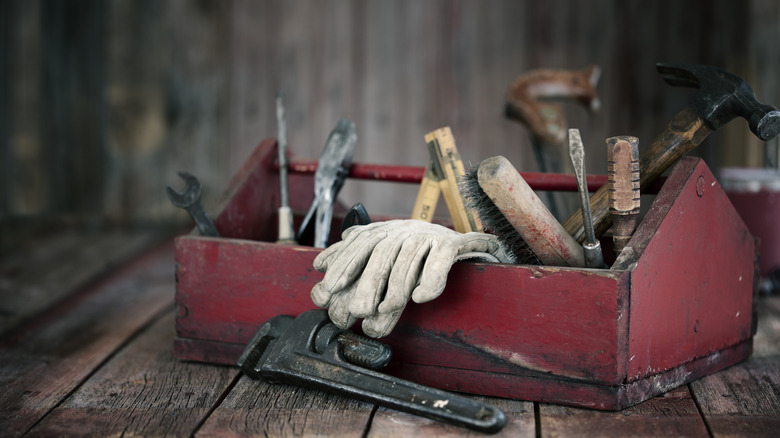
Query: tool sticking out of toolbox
[[598, 338], [442, 175]]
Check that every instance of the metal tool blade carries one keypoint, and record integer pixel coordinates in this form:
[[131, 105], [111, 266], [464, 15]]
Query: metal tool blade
[[591, 247]]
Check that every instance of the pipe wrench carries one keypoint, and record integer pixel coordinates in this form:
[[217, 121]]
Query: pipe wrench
[[311, 351]]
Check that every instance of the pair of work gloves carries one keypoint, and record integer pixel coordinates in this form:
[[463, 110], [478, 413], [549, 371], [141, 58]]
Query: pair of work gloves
[[375, 269]]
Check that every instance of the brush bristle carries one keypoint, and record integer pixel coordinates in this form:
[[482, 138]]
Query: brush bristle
[[493, 221]]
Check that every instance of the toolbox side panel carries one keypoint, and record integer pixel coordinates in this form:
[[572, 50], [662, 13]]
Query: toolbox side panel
[[227, 288], [692, 288], [525, 319], [532, 319]]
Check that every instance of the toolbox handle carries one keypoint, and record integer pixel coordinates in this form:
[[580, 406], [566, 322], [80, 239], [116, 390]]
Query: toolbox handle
[[414, 174]]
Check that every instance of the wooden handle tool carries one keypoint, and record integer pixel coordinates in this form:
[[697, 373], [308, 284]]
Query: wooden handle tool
[[520, 205], [722, 96], [446, 168], [591, 246], [286, 231], [623, 182]]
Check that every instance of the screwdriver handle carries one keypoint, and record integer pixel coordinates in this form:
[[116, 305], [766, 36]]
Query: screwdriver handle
[[623, 181]]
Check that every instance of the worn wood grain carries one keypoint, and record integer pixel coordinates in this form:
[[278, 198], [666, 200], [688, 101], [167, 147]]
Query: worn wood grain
[[766, 342], [388, 422], [745, 400], [53, 265], [257, 408], [673, 414], [108, 99], [141, 391], [41, 364]]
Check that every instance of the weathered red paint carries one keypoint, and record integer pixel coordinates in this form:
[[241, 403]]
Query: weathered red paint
[[414, 174], [605, 339]]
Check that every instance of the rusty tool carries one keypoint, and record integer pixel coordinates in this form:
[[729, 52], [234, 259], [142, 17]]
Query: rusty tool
[[444, 170], [511, 200], [624, 192], [332, 170], [528, 103], [311, 351], [591, 247], [721, 97], [286, 233], [189, 199]]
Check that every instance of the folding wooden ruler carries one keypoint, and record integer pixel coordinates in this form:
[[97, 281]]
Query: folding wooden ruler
[[441, 176]]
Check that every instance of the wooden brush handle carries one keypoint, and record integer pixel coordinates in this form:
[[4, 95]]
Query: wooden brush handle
[[527, 213], [683, 133]]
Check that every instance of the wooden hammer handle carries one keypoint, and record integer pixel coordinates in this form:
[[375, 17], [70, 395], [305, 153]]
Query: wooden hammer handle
[[684, 132]]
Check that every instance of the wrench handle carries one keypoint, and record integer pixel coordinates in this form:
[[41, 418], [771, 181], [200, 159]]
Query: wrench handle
[[293, 356], [331, 373]]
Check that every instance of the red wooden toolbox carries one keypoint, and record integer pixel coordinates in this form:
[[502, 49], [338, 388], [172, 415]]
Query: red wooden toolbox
[[605, 339]]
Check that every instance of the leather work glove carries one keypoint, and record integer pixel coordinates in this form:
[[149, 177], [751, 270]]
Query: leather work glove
[[374, 271]]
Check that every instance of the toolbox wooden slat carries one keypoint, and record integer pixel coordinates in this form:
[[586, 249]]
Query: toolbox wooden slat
[[607, 339]]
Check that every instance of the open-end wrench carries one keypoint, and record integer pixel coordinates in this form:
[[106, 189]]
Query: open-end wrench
[[189, 199], [311, 351]]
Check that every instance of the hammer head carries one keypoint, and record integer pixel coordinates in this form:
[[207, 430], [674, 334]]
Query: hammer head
[[723, 96]]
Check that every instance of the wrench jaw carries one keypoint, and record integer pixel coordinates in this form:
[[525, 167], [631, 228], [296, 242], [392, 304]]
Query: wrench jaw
[[292, 357], [256, 352], [190, 194]]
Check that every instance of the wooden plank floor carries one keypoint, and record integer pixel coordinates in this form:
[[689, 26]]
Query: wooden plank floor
[[86, 349]]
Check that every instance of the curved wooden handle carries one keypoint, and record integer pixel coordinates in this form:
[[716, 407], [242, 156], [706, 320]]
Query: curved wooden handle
[[684, 132]]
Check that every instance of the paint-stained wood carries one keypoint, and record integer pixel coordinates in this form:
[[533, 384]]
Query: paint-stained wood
[[516, 331]]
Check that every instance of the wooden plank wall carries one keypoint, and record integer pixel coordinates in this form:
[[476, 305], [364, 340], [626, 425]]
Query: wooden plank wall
[[103, 101]]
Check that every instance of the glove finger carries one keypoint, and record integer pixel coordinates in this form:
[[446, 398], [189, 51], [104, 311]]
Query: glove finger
[[347, 266], [322, 260], [436, 267], [373, 281], [444, 253], [381, 324], [320, 297], [404, 276], [339, 310], [349, 235]]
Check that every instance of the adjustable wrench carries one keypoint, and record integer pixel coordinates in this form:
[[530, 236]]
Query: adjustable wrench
[[190, 199], [311, 351]]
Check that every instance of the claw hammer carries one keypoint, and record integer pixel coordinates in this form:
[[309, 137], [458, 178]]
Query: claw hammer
[[721, 97]]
